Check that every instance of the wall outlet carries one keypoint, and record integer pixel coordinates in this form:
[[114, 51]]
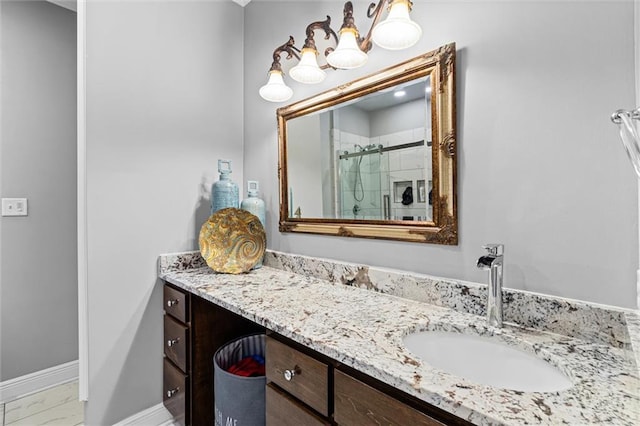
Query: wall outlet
[[14, 207]]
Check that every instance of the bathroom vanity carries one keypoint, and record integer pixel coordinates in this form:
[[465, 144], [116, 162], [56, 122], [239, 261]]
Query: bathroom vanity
[[335, 334], [304, 387], [193, 330]]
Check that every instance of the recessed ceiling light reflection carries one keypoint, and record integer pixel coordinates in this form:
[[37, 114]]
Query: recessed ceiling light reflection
[[399, 93]]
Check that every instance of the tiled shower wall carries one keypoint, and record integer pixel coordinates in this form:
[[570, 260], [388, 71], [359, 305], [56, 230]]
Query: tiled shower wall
[[386, 174]]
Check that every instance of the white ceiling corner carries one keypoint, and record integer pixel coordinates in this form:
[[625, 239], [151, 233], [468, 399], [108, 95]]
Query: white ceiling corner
[[242, 3], [67, 4]]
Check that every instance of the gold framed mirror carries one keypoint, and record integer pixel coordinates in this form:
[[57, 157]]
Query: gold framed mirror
[[376, 157]]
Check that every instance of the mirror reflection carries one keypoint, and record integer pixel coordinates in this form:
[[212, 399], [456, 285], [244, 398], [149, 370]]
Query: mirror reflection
[[368, 159]]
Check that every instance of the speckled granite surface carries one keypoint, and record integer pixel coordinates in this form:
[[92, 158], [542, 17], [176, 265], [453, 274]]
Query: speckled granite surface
[[633, 325], [364, 329], [527, 309]]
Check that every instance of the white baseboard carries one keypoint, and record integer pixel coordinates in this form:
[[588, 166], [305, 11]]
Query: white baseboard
[[40, 380], [157, 415]]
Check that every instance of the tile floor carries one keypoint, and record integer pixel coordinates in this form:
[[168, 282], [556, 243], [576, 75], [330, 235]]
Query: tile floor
[[55, 406]]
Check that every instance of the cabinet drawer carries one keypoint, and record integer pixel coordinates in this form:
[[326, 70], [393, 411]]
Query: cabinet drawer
[[176, 303], [176, 342], [174, 392], [310, 381], [282, 410], [359, 404]]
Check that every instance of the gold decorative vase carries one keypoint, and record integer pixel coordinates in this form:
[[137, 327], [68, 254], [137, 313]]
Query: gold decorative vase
[[232, 241]]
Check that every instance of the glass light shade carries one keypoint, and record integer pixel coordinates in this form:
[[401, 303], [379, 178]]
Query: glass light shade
[[275, 90], [398, 31], [347, 54], [307, 71]]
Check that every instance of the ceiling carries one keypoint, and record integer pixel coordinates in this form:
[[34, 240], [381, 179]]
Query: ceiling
[[415, 89], [67, 4]]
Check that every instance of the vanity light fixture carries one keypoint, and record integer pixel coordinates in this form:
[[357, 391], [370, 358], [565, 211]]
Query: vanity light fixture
[[396, 32], [275, 90], [348, 54], [308, 71]]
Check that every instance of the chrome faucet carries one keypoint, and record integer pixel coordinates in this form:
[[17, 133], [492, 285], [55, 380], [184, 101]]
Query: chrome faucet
[[493, 262]]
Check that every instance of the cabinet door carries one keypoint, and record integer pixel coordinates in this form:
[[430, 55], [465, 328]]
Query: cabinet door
[[176, 303], [283, 410], [175, 392], [358, 404], [176, 342]]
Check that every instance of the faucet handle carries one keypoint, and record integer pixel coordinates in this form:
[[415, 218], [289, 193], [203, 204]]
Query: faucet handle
[[494, 249]]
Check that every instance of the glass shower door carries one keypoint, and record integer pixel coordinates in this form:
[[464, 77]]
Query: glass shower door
[[360, 171]]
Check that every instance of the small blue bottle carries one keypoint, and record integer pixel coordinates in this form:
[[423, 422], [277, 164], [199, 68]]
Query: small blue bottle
[[255, 206], [224, 193], [252, 203]]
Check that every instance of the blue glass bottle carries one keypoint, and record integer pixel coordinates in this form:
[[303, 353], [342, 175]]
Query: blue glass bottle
[[255, 206], [224, 193], [252, 203]]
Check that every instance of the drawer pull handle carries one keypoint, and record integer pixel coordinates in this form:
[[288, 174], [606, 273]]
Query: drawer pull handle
[[290, 374], [172, 392], [172, 302], [173, 342]]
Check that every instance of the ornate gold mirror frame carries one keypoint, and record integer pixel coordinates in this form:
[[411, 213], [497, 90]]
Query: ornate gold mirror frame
[[439, 65]]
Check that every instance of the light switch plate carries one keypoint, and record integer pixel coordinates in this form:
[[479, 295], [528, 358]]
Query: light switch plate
[[14, 207]]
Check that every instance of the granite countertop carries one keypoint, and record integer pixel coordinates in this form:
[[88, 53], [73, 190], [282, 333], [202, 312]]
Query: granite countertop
[[364, 329]]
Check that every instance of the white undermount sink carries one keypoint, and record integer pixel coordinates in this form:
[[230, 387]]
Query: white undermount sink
[[486, 361]]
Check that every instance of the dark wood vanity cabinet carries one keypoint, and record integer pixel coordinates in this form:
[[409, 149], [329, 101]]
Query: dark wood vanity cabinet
[[194, 329], [307, 388], [176, 342], [304, 387]]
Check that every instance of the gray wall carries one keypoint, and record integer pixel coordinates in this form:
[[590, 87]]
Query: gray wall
[[38, 278], [409, 115], [305, 170], [352, 120], [541, 168], [164, 102]]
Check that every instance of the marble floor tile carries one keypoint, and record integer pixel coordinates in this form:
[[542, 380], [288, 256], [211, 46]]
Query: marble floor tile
[[67, 414], [40, 402]]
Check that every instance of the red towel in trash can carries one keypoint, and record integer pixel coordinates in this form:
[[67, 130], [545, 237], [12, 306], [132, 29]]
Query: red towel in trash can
[[251, 366]]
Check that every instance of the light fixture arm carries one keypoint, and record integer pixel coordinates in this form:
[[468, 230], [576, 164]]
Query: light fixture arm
[[319, 25], [310, 43], [348, 21], [291, 51], [373, 12]]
